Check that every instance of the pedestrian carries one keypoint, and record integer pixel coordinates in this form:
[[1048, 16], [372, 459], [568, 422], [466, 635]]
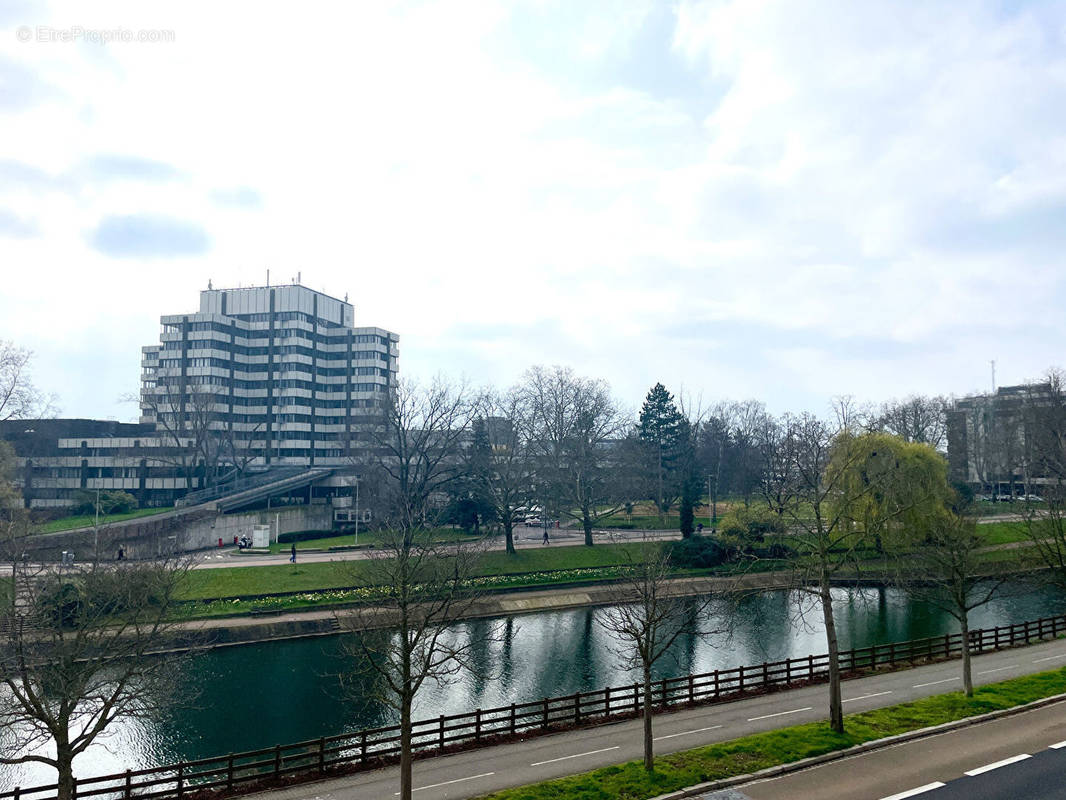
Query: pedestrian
[[699, 529], [292, 558], [545, 536], [121, 553]]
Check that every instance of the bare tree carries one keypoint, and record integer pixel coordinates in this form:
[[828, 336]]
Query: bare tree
[[19, 398], [424, 590], [418, 440], [576, 428], [510, 480], [917, 418], [77, 655], [649, 614], [941, 563]]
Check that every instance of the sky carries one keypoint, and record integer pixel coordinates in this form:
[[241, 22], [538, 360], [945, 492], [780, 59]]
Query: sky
[[777, 199]]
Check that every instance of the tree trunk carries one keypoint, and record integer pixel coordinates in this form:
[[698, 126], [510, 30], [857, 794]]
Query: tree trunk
[[65, 767], [586, 523], [649, 752], [508, 533], [967, 669], [405, 746], [836, 705]]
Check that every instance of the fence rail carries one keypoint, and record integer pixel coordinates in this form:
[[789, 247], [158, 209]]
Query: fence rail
[[368, 748]]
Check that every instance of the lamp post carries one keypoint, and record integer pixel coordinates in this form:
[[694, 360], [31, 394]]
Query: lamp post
[[356, 479]]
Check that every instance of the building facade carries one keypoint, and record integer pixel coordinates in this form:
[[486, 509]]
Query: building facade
[[257, 378]]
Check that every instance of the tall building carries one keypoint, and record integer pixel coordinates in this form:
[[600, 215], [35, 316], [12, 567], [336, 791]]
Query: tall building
[[278, 373], [268, 379]]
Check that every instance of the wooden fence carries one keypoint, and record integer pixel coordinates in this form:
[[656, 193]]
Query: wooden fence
[[370, 748]]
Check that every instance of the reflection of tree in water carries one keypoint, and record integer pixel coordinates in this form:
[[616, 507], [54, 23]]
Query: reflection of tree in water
[[484, 664]]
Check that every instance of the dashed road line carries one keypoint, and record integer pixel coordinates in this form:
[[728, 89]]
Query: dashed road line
[[686, 733], [448, 783], [912, 792], [780, 713], [575, 755], [867, 696], [933, 683], [1057, 746], [997, 669], [1049, 658], [997, 765]]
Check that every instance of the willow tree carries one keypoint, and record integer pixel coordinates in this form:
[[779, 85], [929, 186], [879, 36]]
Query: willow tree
[[839, 492]]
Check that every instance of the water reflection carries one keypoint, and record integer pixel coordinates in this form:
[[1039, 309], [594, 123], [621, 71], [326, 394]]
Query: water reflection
[[259, 695]]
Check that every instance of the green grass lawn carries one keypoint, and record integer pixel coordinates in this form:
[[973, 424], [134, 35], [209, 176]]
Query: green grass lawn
[[1003, 532], [210, 584], [87, 520], [631, 781]]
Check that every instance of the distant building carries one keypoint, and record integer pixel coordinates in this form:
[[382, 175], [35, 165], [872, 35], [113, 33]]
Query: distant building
[[258, 378], [996, 442]]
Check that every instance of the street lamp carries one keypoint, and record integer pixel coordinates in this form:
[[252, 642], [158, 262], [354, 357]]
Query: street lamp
[[356, 479]]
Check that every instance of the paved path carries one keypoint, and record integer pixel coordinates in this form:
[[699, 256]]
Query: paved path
[[959, 765], [480, 771]]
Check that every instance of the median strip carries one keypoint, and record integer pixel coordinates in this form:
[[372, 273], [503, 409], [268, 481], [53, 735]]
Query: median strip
[[575, 755], [989, 767]]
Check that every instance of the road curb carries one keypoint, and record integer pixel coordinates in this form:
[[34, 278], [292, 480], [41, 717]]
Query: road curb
[[859, 749]]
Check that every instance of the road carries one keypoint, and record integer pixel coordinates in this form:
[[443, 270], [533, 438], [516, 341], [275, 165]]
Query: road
[[1023, 756], [537, 759]]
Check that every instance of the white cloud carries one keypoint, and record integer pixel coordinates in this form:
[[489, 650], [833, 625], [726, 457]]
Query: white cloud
[[882, 180]]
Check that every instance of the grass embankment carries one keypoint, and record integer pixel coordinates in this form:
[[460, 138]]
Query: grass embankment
[[366, 539], [88, 520], [351, 581], [630, 781]]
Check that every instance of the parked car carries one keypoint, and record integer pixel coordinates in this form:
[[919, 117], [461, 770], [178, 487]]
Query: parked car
[[1034, 498]]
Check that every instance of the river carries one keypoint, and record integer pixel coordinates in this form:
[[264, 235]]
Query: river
[[253, 696]]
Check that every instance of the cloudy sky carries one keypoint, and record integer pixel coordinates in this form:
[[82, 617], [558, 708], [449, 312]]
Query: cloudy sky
[[783, 200]]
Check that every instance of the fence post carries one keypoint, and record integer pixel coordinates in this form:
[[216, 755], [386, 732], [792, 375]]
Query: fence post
[[740, 679], [74, 788], [512, 719], [607, 701], [229, 773], [477, 724], [277, 760], [765, 676], [577, 708], [691, 688], [15, 794], [788, 672], [181, 778], [441, 736], [544, 720], [362, 748], [810, 667], [717, 686], [873, 656], [636, 698], [664, 691], [129, 786], [947, 645], [321, 755]]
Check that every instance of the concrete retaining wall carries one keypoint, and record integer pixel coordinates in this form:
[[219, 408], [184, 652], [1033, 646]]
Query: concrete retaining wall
[[174, 532]]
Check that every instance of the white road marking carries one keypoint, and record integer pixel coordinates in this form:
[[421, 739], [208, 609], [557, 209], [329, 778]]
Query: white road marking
[[867, 696], [997, 669], [912, 792], [448, 783], [575, 755], [997, 765], [933, 683], [780, 713], [686, 733], [1057, 746], [1048, 658]]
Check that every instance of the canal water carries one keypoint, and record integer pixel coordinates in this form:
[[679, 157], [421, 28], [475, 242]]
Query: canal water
[[254, 696]]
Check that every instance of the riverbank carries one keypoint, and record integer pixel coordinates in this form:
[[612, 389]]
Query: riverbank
[[244, 629]]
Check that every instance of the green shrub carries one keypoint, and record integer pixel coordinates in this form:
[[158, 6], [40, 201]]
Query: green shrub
[[698, 552], [303, 536], [110, 502]]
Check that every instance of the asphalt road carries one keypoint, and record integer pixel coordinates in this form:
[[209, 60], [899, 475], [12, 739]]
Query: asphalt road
[[1014, 757], [480, 771]]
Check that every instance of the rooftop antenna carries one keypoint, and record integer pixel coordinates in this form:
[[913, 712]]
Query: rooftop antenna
[[268, 278], [298, 274], [209, 284], [993, 362]]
